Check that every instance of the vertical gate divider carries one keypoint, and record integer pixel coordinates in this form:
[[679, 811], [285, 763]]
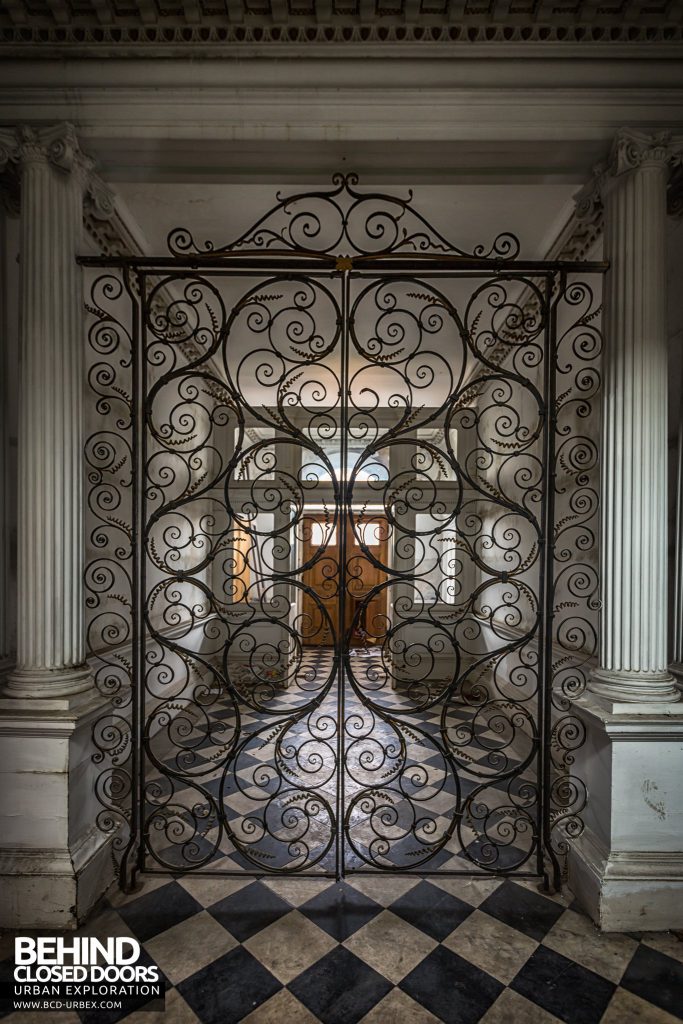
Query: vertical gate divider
[[547, 861], [142, 646], [342, 651], [132, 860]]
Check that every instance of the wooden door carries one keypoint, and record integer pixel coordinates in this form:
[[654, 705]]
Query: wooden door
[[318, 617], [364, 615]]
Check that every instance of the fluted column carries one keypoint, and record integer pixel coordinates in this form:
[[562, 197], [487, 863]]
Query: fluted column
[[4, 431], [677, 637], [633, 542], [50, 607]]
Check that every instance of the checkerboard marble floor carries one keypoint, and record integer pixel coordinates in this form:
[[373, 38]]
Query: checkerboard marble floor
[[383, 950]]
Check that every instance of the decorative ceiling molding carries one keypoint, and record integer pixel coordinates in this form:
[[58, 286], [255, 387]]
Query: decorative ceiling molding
[[140, 25], [111, 235], [108, 228], [577, 238]]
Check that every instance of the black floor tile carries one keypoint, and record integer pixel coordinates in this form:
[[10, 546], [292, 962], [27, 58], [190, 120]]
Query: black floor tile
[[340, 911], [429, 908], [156, 911], [249, 910], [452, 989], [528, 912], [340, 988], [657, 978], [573, 993], [229, 989]]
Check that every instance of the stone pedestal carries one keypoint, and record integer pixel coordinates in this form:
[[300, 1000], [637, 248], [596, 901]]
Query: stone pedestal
[[626, 869], [54, 864]]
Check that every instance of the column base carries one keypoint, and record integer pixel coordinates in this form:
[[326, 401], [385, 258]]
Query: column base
[[634, 687], [627, 892], [55, 864], [54, 889], [626, 869], [63, 682]]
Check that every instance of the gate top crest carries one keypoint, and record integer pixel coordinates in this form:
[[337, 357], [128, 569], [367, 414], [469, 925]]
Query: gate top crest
[[342, 223]]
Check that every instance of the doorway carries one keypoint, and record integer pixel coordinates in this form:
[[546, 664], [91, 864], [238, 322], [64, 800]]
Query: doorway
[[353, 451]]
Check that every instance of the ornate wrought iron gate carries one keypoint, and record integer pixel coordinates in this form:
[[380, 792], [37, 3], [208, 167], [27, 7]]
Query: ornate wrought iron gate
[[341, 586]]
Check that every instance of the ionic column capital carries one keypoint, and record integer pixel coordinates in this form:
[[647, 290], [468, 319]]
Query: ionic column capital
[[631, 150], [58, 146]]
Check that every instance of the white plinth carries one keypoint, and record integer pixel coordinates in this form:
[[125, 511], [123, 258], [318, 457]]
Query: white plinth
[[627, 867], [55, 864]]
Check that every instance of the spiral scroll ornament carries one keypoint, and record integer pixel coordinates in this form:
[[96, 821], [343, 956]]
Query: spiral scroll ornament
[[109, 575]]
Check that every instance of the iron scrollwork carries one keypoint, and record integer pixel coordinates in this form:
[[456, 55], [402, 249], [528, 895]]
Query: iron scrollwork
[[341, 220], [109, 577], [335, 517]]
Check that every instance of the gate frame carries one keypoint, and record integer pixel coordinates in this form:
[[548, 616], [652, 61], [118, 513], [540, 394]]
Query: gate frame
[[235, 261]]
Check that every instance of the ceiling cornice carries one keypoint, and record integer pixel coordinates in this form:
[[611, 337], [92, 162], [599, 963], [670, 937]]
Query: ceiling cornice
[[141, 27]]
